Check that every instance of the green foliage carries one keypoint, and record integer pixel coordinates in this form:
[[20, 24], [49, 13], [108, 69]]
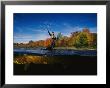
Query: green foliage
[[59, 36], [81, 40]]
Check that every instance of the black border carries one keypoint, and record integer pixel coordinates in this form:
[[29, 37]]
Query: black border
[[3, 3]]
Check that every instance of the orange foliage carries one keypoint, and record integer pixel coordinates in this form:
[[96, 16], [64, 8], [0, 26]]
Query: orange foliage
[[47, 42]]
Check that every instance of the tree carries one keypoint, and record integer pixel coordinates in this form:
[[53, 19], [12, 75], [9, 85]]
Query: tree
[[59, 36], [47, 42], [64, 41], [94, 42], [86, 30], [30, 41], [73, 38], [81, 40]]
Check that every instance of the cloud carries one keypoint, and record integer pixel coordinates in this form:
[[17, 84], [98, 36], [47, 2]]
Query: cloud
[[68, 29], [39, 30], [27, 37], [21, 36], [19, 29]]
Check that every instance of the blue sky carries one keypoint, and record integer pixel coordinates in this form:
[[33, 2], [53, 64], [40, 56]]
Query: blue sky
[[32, 26]]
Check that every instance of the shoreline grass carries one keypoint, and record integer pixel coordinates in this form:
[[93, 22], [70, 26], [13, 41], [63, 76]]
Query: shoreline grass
[[73, 48]]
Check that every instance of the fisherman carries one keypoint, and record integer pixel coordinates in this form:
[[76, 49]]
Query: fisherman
[[53, 39]]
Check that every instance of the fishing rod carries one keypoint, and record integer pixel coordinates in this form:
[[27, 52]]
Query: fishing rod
[[47, 29]]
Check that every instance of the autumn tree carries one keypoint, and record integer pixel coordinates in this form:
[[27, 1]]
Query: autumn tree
[[81, 40], [86, 30], [47, 42]]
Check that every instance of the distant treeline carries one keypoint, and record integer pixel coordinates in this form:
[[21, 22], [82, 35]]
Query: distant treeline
[[78, 39]]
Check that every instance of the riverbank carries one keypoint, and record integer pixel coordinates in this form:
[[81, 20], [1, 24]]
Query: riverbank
[[68, 48], [73, 48]]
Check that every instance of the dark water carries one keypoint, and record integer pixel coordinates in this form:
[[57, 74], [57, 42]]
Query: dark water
[[56, 52], [56, 62]]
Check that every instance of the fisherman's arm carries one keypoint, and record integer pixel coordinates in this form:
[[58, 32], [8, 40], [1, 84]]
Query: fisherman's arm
[[49, 33]]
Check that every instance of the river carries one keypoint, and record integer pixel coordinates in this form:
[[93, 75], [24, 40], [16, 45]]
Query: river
[[56, 52]]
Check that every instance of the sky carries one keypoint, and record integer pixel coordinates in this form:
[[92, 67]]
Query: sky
[[33, 26]]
